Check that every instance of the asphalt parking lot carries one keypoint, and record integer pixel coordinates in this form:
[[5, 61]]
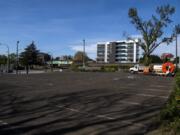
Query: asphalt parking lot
[[81, 103]]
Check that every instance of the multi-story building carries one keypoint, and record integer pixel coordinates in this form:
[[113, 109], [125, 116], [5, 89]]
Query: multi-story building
[[125, 51]]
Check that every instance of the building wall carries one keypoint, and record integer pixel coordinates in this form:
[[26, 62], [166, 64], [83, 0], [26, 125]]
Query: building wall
[[118, 52], [101, 53], [112, 52]]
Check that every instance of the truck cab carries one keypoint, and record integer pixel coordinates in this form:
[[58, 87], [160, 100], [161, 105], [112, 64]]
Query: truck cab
[[134, 69]]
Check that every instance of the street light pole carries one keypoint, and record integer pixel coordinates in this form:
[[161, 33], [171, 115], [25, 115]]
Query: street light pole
[[176, 33], [51, 61], [8, 59], [17, 57], [84, 53]]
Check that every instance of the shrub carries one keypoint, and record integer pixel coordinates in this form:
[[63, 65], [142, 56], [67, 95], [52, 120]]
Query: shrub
[[74, 67], [170, 115], [109, 68]]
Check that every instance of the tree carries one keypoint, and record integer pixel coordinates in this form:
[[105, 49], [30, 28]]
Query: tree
[[57, 58], [78, 57], [152, 30], [12, 58], [65, 58], [176, 59], [176, 30], [68, 57], [47, 57], [42, 58], [29, 56], [153, 59], [3, 59], [166, 57]]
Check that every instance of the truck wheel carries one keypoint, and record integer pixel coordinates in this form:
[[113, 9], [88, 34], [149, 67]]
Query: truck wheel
[[169, 75], [132, 72]]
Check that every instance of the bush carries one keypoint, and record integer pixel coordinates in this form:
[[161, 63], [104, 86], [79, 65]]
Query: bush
[[170, 115], [109, 68], [125, 67], [74, 67]]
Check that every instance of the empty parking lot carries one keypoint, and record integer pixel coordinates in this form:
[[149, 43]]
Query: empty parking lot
[[80, 103]]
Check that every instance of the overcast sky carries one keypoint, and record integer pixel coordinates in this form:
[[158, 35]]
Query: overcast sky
[[59, 26]]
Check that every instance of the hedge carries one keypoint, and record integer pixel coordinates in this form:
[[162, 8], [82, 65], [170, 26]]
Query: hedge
[[170, 115]]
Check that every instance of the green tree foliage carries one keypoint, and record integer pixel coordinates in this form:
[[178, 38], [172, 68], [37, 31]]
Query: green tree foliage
[[42, 58], [47, 57], [166, 57], [29, 56], [12, 58], [175, 60], [3, 59], [78, 57], [68, 57], [152, 59], [152, 30], [176, 30], [65, 57], [155, 59]]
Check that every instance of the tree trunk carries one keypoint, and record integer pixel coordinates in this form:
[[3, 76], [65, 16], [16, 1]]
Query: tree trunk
[[147, 60], [27, 69]]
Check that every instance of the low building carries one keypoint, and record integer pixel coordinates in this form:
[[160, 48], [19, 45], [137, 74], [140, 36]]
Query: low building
[[125, 51], [59, 63]]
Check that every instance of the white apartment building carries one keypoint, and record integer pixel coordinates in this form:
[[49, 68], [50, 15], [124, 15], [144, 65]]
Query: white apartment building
[[124, 51]]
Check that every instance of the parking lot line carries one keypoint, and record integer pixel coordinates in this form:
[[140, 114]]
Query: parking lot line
[[150, 95], [78, 111], [129, 122], [133, 103], [3, 123], [150, 89]]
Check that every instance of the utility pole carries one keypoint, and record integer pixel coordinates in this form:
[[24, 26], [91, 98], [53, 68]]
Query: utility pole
[[51, 63], [176, 33], [17, 57], [84, 53], [8, 61]]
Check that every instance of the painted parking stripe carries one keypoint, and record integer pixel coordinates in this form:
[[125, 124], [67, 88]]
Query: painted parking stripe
[[3, 123], [134, 103], [149, 95], [103, 116], [151, 89], [145, 95], [78, 111], [148, 89]]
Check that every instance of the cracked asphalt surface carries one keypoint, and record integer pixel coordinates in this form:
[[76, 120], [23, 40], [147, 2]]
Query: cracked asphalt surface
[[72, 103]]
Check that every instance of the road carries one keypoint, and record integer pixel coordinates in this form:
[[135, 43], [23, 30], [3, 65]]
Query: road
[[72, 103]]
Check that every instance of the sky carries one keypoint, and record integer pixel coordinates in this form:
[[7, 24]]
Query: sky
[[59, 26]]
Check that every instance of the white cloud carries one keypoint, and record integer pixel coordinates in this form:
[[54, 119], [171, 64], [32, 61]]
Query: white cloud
[[90, 49], [91, 45], [136, 36]]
